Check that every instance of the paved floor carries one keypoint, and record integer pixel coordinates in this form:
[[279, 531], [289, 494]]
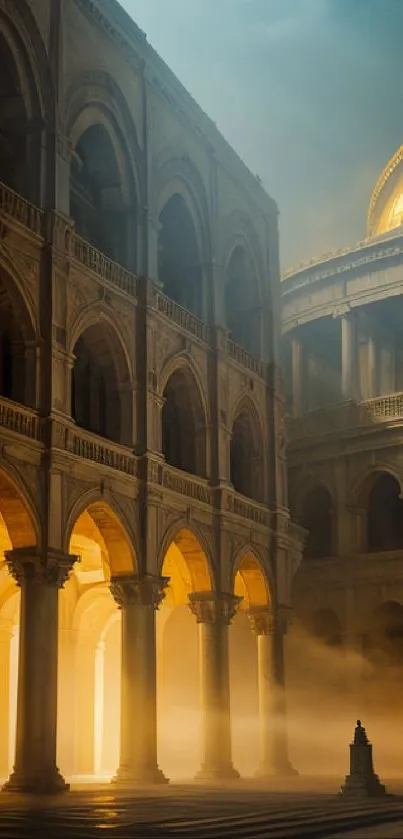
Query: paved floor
[[241, 812]]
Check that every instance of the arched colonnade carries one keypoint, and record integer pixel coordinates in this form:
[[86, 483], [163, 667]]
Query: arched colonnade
[[85, 622]]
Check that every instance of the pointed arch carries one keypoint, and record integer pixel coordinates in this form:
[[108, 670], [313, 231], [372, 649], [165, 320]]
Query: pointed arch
[[106, 185], [184, 418], [18, 512], [18, 339], [101, 377], [185, 558], [26, 99], [251, 580], [103, 522], [247, 449]]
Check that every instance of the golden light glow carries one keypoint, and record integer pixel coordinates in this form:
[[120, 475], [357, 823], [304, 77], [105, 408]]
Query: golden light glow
[[186, 565], [110, 547], [386, 206], [15, 515], [250, 583]]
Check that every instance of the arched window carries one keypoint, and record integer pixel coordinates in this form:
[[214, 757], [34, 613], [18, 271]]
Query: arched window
[[98, 202], [325, 626], [317, 519], [19, 165], [179, 268], [243, 310], [183, 425], [385, 515], [245, 465], [96, 397], [17, 361]]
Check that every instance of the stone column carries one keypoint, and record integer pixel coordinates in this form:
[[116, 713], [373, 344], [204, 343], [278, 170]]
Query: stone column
[[297, 376], [349, 366], [39, 576], [6, 634], [84, 733], [66, 713], [138, 600], [372, 367], [272, 705], [214, 614]]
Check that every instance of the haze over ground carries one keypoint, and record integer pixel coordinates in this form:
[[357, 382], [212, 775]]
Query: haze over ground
[[307, 91]]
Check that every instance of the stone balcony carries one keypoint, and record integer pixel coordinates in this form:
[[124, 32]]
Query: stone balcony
[[86, 446], [19, 421], [16, 212], [346, 418]]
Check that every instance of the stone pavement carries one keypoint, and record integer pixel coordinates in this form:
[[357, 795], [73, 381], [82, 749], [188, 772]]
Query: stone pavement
[[241, 812]]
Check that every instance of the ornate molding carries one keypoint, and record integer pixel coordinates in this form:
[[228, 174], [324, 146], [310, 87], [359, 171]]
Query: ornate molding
[[262, 621], [132, 591], [210, 608], [29, 565]]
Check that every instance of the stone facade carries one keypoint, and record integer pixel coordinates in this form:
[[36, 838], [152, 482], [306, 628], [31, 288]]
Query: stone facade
[[342, 344], [141, 400]]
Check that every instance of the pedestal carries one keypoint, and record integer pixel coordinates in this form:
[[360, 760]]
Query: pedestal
[[138, 600], [362, 781], [214, 616], [39, 576], [272, 705]]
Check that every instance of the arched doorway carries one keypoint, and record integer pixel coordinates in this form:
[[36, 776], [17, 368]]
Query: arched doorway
[[17, 530], [251, 586], [17, 345], [179, 261], [246, 453], [184, 424], [179, 715], [90, 646], [385, 514], [316, 517], [242, 302], [19, 105], [102, 194], [101, 398]]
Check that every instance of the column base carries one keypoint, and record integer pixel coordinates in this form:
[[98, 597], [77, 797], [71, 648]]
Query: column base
[[361, 786], [282, 770], [219, 773], [131, 779], [51, 783]]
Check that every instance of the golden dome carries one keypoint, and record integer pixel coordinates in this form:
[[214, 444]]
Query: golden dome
[[386, 207]]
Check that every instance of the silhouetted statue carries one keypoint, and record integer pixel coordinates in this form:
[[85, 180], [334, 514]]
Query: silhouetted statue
[[362, 780]]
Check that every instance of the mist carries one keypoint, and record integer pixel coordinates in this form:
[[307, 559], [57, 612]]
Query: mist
[[327, 690], [307, 92]]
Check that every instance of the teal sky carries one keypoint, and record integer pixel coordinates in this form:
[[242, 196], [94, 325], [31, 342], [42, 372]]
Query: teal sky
[[309, 93]]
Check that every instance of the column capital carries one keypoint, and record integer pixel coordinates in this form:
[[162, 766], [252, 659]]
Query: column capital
[[263, 621], [130, 590], [211, 608], [31, 565]]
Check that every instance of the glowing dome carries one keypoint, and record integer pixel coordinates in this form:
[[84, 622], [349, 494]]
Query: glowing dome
[[386, 207]]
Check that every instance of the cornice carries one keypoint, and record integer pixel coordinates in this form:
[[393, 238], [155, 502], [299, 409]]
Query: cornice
[[337, 264], [132, 43]]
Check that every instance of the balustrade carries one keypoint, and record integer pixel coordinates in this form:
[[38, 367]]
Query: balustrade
[[350, 415], [242, 357], [110, 271], [89, 446], [19, 419], [20, 210], [184, 319]]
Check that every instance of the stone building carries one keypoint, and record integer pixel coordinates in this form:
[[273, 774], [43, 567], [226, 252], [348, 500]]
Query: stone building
[[343, 356], [141, 408]]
